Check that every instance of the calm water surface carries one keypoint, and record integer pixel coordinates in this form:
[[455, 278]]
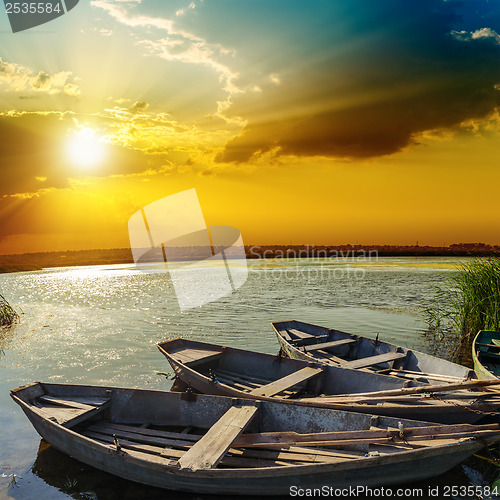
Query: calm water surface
[[100, 324]]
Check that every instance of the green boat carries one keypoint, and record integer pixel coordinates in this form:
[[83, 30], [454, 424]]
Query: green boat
[[486, 355]]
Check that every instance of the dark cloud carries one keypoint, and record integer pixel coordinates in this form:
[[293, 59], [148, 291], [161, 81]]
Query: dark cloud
[[400, 69]]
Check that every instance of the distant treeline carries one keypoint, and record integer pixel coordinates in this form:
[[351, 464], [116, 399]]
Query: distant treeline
[[41, 260]]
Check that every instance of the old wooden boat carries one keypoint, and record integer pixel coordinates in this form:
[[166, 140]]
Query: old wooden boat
[[314, 343], [218, 445], [486, 355], [227, 371]]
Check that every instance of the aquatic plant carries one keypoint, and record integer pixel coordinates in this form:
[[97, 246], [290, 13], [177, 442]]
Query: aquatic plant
[[7, 313], [70, 484], [468, 302]]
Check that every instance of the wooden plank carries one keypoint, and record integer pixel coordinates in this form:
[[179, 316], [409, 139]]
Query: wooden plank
[[85, 400], [286, 382], [227, 461], [280, 438], [234, 382], [65, 403], [330, 452], [285, 335], [143, 438], [381, 440], [107, 431], [246, 383], [301, 335], [195, 356], [326, 345], [111, 428], [69, 417], [60, 415], [328, 357], [209, 450], [472, 384], [286, 455], [429, 376], [373, 360], [243, 376]]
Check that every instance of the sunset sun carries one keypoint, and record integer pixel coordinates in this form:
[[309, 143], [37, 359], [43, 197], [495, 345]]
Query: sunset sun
[[85, 149]]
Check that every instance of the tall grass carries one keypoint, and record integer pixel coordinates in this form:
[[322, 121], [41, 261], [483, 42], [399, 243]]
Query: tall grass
[[468, 302], [7, 313]]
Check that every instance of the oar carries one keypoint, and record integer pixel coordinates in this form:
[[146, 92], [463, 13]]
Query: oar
[[418, 390], [287, 437]]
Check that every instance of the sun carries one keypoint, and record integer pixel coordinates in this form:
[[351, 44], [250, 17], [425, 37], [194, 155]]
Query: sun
[[85, 149]]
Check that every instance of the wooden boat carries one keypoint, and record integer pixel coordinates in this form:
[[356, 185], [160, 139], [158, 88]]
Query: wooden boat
[[314, 343], [217, 445], [486, 355], [227, 371]]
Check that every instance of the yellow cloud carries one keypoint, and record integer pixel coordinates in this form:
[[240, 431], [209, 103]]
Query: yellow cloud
[[181, 46], [18, 78]]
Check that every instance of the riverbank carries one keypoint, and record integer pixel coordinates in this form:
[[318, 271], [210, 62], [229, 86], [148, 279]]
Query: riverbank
[[43, 260]]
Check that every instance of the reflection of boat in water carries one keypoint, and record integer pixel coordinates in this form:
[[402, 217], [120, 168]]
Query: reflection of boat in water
[[83, 482], [213, 444]]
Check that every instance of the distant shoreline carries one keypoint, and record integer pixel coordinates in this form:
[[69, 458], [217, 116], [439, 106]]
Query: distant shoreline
[[41, 260]]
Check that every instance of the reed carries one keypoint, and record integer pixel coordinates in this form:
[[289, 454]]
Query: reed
[[468, 302], [8, 315]]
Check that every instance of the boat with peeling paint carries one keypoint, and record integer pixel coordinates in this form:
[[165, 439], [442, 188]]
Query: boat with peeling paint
[[228, 371], [219, 445], [314, 343]]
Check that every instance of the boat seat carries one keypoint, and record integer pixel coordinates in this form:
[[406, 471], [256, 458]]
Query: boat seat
[[300, 334], [67, 413], [193, 357], [373, 360], [285, 335], [326, 345], [211, 448], [286, 382]]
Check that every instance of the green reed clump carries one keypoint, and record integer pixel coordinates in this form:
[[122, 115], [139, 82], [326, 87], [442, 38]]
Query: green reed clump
[[468, 302], [8, 315]]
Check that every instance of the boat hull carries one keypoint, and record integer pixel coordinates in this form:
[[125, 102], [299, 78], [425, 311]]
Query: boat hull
[[374, 471]]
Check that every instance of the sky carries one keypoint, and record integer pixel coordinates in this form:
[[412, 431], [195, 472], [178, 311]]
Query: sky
[[318, 122]]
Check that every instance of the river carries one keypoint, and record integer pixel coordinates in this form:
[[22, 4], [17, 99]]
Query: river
[[100, 324]]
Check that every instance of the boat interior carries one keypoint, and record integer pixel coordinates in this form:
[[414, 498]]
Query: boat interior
[[265, 375], [488, 351], [199, 432], [347, 350]]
